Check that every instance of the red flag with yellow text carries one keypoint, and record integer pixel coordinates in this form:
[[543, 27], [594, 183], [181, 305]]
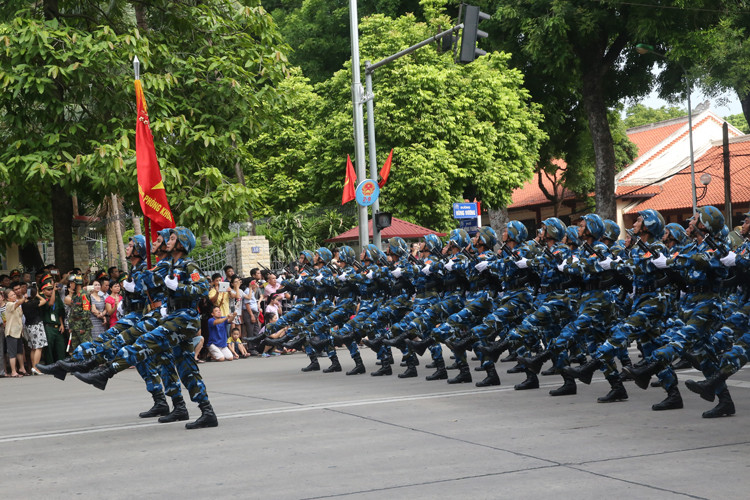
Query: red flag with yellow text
[[386, 170], [151, 192], [349, 183]]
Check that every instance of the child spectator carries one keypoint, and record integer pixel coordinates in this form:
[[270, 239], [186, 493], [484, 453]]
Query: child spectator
[[236, 346], [217, 335]]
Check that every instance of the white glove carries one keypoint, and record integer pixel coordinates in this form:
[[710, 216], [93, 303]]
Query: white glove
[[521, 263], [575, 259], [319, 278], [397, 272], [482, 266], [171, 283], [450, 264], [129, 286], [120, 311], [606, 264], [369, 275], [730, 260], [426, 270], [343, 277], [298, 280], [163, 311], [561, 267], [661, 262]]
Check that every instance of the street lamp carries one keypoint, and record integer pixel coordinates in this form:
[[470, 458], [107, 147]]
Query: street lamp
[[643, 48]]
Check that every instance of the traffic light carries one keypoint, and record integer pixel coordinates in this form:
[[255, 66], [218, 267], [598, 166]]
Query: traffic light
[[471, 32], [382, 220]]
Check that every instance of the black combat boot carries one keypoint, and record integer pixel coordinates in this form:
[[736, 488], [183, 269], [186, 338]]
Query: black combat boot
[[314, 365], [440, 371], [512, 357], [207, 418], [74, 366], [464, 375], [531, 382], [411, 367], [180, 411], [296, 343], [535, 363], [335, 365], [552, 370], [626, 361], [682, 364], [344, 340], [419, 346], [707, 388], [359, 366], [320, 345], [617, 391], [397, 342], [374, 344], [385, 368], [98, 377], [255, 338], [53, 369], [465, 343], [642, 376], [453, 366], [518, 368], [159, 409], [567, 389], [492, 378], [494, 350], [405, 361], [725, 407], [673, 401], [584, 373], [279, 342]]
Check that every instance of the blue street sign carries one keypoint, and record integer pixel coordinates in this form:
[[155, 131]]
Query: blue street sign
[[367, 192], [465, 211], [469, 225]]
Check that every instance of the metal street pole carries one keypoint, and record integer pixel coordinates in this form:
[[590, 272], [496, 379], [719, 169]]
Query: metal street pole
[[690, 138], [371, 148], [359, 126]]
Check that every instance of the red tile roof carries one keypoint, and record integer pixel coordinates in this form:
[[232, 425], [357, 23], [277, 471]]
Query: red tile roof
[[676, 192], [637, 191], [530, 194], [399, 227], [646, 138]]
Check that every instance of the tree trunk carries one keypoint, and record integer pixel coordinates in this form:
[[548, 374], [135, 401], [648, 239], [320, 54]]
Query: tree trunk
[[241, 179], [62, 228], [498, 218], [137, 225], [118, 232], [745, 102], [604, 146], [205, 241], [111, 234], [30, 257], [140, 16]]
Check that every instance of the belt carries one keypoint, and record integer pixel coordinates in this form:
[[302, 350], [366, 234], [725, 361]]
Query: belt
[[699, 289], [550, 288], [647, 289]]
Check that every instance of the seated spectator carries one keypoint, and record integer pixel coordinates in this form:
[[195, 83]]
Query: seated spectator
[[273, 306], [236, 346], [271, 318], [217, 335]]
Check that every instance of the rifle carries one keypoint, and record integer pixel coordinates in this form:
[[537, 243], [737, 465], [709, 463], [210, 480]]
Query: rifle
[[589, 249], [712, 244], [512, 254], [557, 258], [645, 248]]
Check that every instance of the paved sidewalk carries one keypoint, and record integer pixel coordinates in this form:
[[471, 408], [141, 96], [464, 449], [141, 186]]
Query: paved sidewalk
[[287, 434]]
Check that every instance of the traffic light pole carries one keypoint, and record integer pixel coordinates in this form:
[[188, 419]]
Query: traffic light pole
[[359, 135]]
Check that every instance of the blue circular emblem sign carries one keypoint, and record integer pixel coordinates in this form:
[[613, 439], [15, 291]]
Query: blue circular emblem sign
[[367, 192]]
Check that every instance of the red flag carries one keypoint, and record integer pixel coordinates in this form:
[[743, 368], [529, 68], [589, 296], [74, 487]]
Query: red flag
[[151, 192], [349, 182], [386, 170]]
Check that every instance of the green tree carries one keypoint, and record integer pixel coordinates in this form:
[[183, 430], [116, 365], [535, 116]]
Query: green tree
[[739, 121], [638, 114], [454, 129], [67, 106]]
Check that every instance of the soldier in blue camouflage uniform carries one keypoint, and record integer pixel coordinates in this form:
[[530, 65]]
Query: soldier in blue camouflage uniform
[[427, 287], [731, 342], [175, 332], [700, 309], [302, 288], [551, 308], [650, 301], [455, 331], [346, 306], [511, 307], [453, 271], [595, 309]]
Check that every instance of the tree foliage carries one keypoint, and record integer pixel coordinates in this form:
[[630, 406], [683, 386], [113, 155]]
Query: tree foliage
[[638, 114], [454, 129], [68, 106]]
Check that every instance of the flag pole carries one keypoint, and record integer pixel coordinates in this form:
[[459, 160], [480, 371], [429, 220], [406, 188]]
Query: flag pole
[[146, 220]]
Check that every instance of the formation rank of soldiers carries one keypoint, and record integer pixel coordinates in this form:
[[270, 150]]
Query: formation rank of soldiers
[[569, 295]]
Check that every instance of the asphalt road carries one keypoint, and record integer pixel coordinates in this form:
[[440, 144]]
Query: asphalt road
[[287, 434]]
